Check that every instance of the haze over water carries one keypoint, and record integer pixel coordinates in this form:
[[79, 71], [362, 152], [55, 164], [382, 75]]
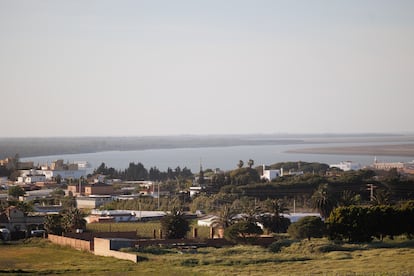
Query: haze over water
[[224, 158]]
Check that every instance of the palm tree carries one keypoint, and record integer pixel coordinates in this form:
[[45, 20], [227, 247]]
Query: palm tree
[[250, 163], [225, 217], [348, 198], [381, 197], [73, 219], [240, 164], [275, 207], [53, 224], [323, 201], [275, 222]]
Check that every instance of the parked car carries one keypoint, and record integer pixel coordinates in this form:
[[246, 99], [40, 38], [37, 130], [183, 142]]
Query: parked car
[[37, 233], [4, 234]]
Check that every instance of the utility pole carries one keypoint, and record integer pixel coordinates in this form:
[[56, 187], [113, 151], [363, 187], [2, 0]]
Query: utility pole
[[294, 206], [158, 195], [371, 188]]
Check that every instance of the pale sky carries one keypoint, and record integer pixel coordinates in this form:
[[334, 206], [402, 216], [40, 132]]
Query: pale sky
[[123, 68]]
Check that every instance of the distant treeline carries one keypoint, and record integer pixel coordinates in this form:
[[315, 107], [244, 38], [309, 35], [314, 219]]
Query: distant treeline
[[30, 147], [139, 172]]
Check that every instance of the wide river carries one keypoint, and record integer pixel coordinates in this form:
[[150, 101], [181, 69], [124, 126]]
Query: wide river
[[225, 158]]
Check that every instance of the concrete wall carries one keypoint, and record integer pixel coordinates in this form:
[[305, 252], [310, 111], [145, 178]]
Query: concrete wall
[[75, 243], [103, 248]]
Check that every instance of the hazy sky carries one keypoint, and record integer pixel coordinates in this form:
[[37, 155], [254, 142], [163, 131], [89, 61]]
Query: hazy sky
[[86, 68]]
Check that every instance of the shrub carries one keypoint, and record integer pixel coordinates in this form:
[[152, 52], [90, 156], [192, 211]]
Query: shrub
[[242, 232], [174, 225], [190, 262], [277, 246], [307, 227]]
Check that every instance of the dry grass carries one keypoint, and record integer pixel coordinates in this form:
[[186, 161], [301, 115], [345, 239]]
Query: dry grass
[[317, 257]]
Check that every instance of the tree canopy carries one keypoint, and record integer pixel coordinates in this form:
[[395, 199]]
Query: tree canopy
[[307, 227], [174, 225]]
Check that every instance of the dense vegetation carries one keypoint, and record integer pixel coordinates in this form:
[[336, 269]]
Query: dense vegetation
[[139, 172], [362, 224]]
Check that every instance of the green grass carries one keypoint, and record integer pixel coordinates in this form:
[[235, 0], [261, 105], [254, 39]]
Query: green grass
[[315, 257]]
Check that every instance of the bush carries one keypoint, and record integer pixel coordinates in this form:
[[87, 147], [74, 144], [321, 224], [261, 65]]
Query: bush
[[277, 246], [307, 227], [175, 226], [361, 224], [190, 262], [276, 224], [242, 232]]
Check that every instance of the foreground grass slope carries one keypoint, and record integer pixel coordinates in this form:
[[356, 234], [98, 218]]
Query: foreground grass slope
[[304, 257]]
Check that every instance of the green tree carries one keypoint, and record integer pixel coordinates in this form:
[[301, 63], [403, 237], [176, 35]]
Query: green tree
[[16, 191], [381, 197], [348, 198], [201, 180], [240, 164], [352, 223], [68, 202], [25, 207], [242, 232], [58, 179], [250, 163], [174, 225], [53, 224], [72, 219], [225, 217], [323, 201], [273, 220], [307, 227], [243, 176]]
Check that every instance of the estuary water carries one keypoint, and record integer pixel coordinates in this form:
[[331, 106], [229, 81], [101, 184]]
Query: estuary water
[[224, 158]]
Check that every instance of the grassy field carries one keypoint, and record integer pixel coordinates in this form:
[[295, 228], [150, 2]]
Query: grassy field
[[143, 229], [317, 257]]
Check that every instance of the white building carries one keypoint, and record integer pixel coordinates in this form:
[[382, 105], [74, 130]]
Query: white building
[[65, 174], [123, 215], [297, 216], [347, 166], [195, 190], [37, 194], [92, 202], [31, 176], [271, 174], [49, 175]]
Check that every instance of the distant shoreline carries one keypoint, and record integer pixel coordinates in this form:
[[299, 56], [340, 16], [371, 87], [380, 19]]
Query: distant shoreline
[[406, 150], [34, 147]]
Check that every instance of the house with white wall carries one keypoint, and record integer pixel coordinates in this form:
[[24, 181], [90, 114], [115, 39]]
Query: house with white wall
[[347, 166], [271, 174]]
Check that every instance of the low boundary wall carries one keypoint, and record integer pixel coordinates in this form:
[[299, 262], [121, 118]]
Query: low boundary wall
[[108, 246], [105, 247], [89, 236], [74, 243]]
